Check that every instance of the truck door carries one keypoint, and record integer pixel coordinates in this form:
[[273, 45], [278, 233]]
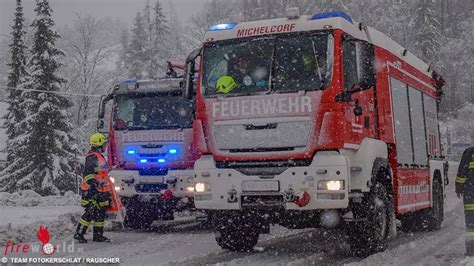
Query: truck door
[[359, 81]]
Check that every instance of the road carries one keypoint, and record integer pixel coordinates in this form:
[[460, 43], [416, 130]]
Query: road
[[191, 245]]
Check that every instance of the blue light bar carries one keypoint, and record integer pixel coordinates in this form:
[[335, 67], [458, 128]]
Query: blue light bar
[[331, 14], [161, 160], [224, 26], [172, 151], [131, 152], [143, 160]]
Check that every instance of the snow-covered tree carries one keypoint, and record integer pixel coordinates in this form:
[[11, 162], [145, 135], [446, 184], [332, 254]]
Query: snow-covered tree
[[15, 114], [17, 71], [86, 69], [427, 32], [45, 159], [176, 45], [135, 52], [146, 54]]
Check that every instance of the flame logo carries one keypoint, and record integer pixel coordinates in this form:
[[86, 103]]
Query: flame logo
[[43, 235]]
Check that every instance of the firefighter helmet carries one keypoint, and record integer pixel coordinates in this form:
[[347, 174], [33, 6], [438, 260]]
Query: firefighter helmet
[[225, 84], [97, 140]]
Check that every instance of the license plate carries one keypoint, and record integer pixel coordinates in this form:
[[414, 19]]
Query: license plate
[[257, 186]]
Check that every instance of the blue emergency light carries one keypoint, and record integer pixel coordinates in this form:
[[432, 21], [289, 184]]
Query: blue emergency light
[[331, 14], [223, 26], [143, 160], [131, 152], [172, 151], [161, 160]]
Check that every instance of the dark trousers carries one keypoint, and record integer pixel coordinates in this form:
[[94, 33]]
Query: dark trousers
[[469, 216], [94, 215]]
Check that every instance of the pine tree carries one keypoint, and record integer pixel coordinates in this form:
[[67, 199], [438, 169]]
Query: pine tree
[[45, 160], [135, 55], [15, 113], [427, 32], [158, 49]]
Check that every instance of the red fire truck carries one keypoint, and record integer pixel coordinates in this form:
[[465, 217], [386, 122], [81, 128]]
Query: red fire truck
[[310, 121], [150, 148]]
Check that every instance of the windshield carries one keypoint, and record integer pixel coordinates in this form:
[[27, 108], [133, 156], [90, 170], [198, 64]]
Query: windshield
[[152, 111], [277, 64]]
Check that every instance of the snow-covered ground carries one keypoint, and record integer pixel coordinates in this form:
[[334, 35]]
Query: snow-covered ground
[[22, 214], [192, 245]]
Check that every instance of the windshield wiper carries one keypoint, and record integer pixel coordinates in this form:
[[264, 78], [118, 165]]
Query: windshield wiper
[[322, 80]]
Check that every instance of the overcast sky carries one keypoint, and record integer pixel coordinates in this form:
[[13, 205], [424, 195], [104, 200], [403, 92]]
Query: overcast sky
[[63, 10]]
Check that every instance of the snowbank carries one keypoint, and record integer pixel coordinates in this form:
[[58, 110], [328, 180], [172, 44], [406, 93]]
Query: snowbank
[[21, 224], [29, 198], [22, 213]]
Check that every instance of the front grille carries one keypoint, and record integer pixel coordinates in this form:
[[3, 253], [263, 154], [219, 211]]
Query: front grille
[[153, 171], [263, 164], [262, 149], [263, 168], [150, 188], [262, 200], [152, 146]]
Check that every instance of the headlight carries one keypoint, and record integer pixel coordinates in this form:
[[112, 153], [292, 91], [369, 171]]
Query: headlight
[[332, 185], [201, 187], [117, 188], [112, 179], [190, 189]]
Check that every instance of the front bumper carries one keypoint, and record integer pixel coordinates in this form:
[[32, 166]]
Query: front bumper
[[129, 183], [228, 189]]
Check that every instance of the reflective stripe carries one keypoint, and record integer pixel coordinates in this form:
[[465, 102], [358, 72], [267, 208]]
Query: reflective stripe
[[84, 222], [461, 180], [469, 207], [470, 233], [471, 165], [106, 203], [99, 224], [88, 177], [84, 202]]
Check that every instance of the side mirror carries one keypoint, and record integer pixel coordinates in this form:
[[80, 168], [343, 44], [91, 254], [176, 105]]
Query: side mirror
[[101, 114], [189, 75], [193, 55], [100, 125], [189, 80]]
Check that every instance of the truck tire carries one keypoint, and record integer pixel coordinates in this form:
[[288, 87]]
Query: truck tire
[[435, 215], [369, 233], [235, 234]]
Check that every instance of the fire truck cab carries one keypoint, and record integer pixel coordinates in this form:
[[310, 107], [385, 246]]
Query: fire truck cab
[[311, 121], [150, 150]]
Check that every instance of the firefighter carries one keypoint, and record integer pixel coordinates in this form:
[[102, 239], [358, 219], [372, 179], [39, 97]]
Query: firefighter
[[95, 197], [465, 189]]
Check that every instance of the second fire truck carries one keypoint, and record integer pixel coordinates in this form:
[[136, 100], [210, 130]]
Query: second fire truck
[[150, 148]]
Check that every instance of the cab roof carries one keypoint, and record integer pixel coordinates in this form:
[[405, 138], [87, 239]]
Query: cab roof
[[149, 85]]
